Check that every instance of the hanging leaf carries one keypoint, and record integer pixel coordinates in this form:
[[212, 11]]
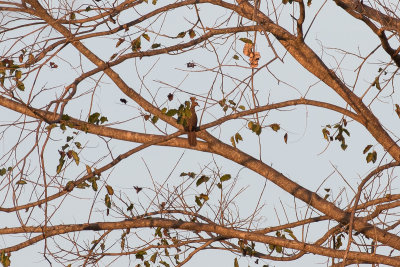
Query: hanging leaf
[[21, 182], [60, 165], [233, 141], [130, 207], [192, 34], [372, 156], [75, 156], [146, 36], [238, 137], [107, 201], [155, 46], [20, 86], [235, 263], [72, 16], [376, 83], [236, 57], [153, 257], [94, 185], [18, 74], [88, 170], [110, 190], [285, 137]]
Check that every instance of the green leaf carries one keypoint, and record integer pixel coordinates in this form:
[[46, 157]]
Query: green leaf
[[153, 257], [372, 156], [171, 112], [246, 40], [146, 36], [5, 259], [198, 202], [94, 118], [236, 57], [3, 171], [181, 35], [136, 44], [192, 34], [75, 156], [225, 177], [130, 207], [155, 46], [154, 2], [78, 145], [154, 119], [72, 16], [18, 74], [20, 86], [275, 127], [146, 264], [88, 8], [242, 107], [60, 165], [94, 185], [164, 263], [202, 179], [63, 127], [107, 201], [103, 119]]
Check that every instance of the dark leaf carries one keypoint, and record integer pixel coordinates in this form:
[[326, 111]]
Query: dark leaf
[[138, 189]]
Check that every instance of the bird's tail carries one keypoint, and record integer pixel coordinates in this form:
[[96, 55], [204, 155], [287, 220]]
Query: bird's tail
[[192, 138]]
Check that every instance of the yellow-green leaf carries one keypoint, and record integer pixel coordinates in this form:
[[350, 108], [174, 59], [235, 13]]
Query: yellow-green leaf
[[146, 36], [275, 127], [75, 156], [246, 40]]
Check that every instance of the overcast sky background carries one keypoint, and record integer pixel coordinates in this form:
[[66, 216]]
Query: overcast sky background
[[306, 158]]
